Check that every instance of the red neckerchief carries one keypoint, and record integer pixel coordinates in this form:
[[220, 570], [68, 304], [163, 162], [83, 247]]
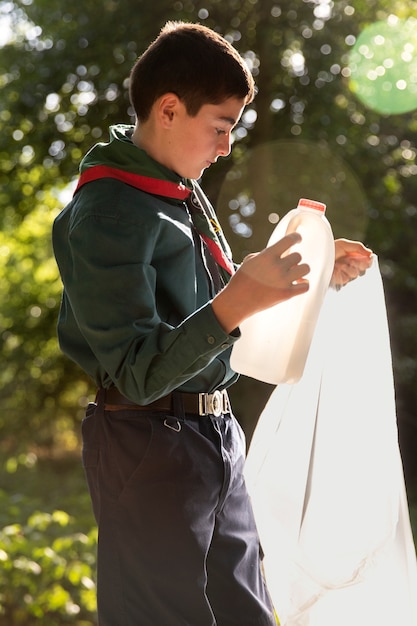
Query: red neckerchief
[[164, 188]]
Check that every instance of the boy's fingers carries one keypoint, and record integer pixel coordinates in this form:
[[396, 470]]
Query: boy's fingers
[[285, 243], [347, 247], [293, 260], [300, 286], [298, 270]]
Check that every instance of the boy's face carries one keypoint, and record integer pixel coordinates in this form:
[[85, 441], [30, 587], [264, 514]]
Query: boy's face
[[195, 143]]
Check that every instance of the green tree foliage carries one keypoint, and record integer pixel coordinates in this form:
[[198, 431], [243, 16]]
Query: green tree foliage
[[47, 555], [63, 79], [49, 574]]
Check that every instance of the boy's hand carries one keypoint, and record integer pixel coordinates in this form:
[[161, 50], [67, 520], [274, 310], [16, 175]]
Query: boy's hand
[[352, 259], [263, 280]]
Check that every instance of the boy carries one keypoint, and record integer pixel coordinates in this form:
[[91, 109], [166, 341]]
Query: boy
[[151, 309]]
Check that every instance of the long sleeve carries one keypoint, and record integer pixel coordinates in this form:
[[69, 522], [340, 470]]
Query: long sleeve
[[132, 314]]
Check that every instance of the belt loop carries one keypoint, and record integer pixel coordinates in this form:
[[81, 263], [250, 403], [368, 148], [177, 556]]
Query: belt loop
[[178, 405]]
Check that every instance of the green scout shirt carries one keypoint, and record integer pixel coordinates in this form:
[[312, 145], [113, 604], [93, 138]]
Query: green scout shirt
[[136, 308]]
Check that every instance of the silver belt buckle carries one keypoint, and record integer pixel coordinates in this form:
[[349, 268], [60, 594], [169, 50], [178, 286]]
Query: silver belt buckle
[[214, 403]]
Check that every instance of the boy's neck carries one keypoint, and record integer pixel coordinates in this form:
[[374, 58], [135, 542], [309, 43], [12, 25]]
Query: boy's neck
[[146, 137], [142, 138]]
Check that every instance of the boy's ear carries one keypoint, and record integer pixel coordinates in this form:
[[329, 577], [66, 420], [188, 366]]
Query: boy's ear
[[168, 108]]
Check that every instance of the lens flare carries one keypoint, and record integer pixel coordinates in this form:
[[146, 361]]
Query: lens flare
[[383, 66]]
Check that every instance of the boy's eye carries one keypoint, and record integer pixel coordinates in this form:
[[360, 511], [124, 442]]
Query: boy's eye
[[220, 131]]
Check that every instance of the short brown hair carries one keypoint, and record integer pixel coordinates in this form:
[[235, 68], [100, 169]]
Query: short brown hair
[[192, 61]]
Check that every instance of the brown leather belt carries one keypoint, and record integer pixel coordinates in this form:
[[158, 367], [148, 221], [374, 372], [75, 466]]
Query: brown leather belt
[[216, 403]]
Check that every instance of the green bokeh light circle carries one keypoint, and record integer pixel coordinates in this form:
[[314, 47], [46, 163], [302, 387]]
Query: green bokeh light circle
[[383, 66]]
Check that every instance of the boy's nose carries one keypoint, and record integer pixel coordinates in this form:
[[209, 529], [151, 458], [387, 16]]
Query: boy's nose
[[225, 145]]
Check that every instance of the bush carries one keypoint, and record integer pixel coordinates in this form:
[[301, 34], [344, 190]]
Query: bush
[[47, 555]]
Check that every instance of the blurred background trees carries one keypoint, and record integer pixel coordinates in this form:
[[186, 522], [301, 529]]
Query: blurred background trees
[[317, 129]]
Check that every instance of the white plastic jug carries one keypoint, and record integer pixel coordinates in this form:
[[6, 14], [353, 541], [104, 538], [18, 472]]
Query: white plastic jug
[[274, 343]]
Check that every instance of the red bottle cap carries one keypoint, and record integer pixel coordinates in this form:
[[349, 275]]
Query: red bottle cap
[[312, 204]]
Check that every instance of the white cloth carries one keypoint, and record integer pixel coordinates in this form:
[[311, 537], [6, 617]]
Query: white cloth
[[326, 479]]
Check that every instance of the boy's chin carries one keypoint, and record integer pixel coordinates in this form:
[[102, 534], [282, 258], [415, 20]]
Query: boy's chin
[[193, 175]]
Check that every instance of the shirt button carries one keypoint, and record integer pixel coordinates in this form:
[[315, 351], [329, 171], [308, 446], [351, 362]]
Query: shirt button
[[210, 339], [224, 346]]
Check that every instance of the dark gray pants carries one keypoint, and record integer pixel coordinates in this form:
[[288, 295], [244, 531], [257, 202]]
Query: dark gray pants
[[177, 539]]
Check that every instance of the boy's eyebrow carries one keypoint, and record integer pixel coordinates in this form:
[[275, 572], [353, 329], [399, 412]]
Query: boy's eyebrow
[[228, 120]]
